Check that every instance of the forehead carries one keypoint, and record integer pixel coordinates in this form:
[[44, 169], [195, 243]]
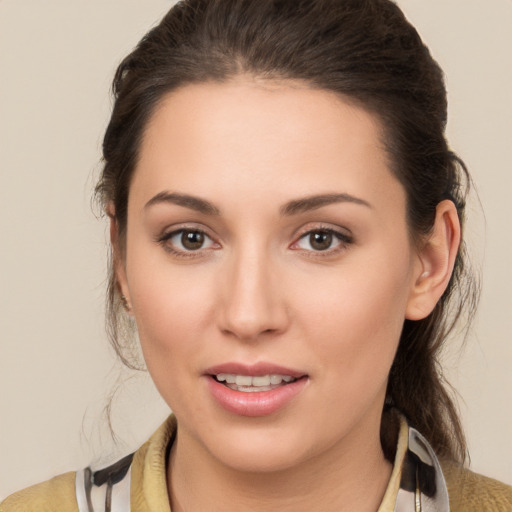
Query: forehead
[[276, 139]]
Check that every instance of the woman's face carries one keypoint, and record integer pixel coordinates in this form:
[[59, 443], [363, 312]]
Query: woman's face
[[267, 238]]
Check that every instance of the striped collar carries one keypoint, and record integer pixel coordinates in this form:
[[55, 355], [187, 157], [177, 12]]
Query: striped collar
[[138, 481]]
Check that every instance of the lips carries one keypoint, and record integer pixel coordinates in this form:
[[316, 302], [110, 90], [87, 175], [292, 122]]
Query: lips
[[254, 390], [253, 383]]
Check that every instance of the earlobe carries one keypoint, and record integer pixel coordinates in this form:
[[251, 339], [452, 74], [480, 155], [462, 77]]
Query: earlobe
[[118, 262], [436, 259]]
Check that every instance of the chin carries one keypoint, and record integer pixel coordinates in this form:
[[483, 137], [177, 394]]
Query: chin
[[262, 446], [259, 458]]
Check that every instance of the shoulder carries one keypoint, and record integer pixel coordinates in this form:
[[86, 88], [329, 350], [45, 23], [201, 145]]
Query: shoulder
[[471, 492], [55, 494], [146, 483]]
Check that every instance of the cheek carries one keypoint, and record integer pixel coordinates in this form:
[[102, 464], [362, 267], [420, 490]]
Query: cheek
[[357, 320], [169, 338], [171, 305]]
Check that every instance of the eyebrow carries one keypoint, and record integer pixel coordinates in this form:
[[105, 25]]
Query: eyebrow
[[318, 201], [294, 207], [194, 203]]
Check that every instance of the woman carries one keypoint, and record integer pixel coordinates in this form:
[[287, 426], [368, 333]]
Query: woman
[[286, 233]]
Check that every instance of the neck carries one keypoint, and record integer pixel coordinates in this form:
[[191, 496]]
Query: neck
[[348, 476]]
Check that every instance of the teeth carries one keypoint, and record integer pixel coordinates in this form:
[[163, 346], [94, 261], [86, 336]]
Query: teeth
[[243, 380], [253, 383], [264, 380], [276, 379]]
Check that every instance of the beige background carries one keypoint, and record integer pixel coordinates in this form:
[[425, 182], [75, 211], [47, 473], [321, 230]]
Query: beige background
[[57, 58]]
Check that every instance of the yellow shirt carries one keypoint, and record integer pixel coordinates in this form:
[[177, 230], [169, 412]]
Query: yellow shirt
[[468, 492]]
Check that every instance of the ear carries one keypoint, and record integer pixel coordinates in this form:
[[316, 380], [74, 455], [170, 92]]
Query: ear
[[436, 258], [119, 268]]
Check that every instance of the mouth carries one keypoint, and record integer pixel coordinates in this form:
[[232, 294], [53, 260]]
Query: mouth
[[253, 383], [254, 390]]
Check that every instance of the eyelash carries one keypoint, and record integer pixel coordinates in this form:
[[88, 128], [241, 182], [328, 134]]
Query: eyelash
[[343, 238], [344, 241], [180, 253]]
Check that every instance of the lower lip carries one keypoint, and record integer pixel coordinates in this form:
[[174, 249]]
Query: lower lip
[[256, 403]]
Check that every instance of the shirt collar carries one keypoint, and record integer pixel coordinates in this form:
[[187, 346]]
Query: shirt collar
[[416, 484]]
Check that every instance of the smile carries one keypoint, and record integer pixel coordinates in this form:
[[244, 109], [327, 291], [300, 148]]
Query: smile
[[254, 390], [251, 384]]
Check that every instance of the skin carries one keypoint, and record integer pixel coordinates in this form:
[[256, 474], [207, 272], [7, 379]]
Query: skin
[[258, 290]]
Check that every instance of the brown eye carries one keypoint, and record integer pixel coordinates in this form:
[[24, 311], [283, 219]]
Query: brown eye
[[192, 240], [320, 240], [323, 240], [187, 241]]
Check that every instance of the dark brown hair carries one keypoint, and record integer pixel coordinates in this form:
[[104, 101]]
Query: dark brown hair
[[364, 50]]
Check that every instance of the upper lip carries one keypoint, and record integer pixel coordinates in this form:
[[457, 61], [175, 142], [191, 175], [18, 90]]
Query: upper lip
[[255, 370]]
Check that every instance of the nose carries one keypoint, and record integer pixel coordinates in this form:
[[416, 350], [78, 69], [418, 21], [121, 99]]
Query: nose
[[253, 304]]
